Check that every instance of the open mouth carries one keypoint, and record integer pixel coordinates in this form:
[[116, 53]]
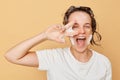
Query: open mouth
[[81, 38]]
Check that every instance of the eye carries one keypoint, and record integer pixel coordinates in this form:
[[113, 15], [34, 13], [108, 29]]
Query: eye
[[87, 26], [75, 27]]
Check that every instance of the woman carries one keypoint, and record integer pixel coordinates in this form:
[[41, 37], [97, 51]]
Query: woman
[[76, 62]]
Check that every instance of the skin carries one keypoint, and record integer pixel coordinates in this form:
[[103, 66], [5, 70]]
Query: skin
[[21, 54], [83, 26]]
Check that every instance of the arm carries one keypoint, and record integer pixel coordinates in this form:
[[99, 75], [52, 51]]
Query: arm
[[21, 54]]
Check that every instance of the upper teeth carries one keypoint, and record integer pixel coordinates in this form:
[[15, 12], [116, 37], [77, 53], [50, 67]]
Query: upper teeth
[[81, 37]]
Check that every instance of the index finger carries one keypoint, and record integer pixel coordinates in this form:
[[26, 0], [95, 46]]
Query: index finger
[[70, 24]]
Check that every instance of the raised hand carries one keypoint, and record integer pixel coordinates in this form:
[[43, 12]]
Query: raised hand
[[58, 32], [55, 33]]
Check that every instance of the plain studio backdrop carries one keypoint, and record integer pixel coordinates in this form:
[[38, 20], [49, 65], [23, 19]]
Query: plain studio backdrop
[[22, 19]]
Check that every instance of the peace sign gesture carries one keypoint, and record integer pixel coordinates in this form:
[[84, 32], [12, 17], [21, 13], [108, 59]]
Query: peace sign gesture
[[58, 32]]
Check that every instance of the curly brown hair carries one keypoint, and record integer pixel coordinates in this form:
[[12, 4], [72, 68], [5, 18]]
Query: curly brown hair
[[88, 10]]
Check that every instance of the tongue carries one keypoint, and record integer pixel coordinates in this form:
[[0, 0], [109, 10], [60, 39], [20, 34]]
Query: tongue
[[81, 42]]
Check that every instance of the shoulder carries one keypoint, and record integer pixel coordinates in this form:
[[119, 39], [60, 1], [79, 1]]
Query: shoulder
[[55, 55], [54, 51], [102, 58]]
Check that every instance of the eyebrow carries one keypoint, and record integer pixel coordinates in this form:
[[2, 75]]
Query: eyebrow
[[88, 23], [85, 24]]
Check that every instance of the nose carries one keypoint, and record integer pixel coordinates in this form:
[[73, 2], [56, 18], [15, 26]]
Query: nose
[[81, 30]]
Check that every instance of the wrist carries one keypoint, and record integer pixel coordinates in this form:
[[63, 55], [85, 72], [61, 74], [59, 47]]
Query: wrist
[[44, 36]]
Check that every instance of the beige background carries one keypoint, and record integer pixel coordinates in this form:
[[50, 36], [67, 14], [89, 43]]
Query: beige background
[[21, 19]]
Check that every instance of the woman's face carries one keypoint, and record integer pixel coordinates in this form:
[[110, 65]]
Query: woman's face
[[82, 24]]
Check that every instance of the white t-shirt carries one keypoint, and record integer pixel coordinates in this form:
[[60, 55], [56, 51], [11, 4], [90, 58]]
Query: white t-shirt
[[61, 65]]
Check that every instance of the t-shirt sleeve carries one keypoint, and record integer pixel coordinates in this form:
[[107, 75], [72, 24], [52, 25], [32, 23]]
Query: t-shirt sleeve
[[43, 59], [107, 65], [47, 58], [109, 70]]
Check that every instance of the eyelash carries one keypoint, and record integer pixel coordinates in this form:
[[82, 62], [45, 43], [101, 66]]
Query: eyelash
[[84, 26], [87, 26]]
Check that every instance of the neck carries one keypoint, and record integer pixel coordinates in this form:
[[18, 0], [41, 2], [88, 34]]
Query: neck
[[83, 56]]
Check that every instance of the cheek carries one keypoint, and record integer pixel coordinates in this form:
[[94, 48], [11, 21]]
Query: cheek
[[72, 40], [89, 39], [89, 30]]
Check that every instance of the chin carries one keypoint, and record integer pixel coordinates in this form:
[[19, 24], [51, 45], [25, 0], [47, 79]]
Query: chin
[[80, 49]]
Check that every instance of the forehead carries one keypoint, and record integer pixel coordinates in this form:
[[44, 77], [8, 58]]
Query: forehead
[[80, 17]]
